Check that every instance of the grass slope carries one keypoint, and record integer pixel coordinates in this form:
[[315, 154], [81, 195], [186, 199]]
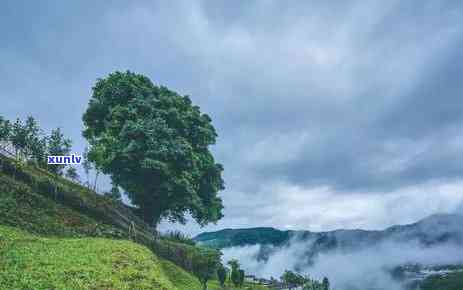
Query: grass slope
[[55, 234], [21, 207], [32, 262], [35, 200]]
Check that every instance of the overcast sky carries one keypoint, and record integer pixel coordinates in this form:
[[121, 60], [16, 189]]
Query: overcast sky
[[330, 114]]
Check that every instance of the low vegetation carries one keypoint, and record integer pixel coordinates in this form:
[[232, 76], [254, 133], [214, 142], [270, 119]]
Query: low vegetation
[[31, 262], [452, 281]]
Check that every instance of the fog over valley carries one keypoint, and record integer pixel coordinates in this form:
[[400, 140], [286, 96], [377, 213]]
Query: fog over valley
[[397, 258]]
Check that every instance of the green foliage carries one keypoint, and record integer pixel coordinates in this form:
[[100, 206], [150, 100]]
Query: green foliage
[[30, 144], [58, 145], [181, 279], [34, 146], [234, 264], [235, 274], [179, 253], [178, 237], [30, 262], [114, 193], [205, 264], [21, 207], [325, 284], [87, 165], [39, 202], [5, 130], [452, 281], [312, 284], [241, 280], [18, 136], [222, 275], [292, 279], [26, 139], [72, 174], [239, 237], [33, 199], [155, 144]]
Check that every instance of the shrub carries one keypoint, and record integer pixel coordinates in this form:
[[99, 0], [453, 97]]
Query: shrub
[[178, 237]]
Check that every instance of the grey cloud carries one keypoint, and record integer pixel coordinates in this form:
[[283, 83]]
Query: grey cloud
[[356, 96]]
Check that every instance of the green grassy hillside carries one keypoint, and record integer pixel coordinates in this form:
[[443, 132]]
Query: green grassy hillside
[[31, 262], [39, 202], [55, 234]]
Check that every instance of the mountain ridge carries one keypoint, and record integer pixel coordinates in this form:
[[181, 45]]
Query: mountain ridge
[[437, 228]]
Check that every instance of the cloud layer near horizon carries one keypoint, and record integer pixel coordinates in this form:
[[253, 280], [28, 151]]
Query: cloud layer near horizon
[[329, 115]]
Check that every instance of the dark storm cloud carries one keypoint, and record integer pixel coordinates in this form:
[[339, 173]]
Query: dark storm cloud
[[352, 97]]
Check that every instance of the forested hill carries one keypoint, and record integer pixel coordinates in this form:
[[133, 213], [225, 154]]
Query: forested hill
[[240, 237], [431, 230]]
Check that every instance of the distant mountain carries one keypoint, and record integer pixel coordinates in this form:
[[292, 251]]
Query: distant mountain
[[241, 237], [435, 229], [393, 251]]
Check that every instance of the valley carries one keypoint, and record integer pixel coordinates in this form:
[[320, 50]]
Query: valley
[[399, 257]]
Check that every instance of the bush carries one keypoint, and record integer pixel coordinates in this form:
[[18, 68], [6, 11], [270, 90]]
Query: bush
[[178, 237]]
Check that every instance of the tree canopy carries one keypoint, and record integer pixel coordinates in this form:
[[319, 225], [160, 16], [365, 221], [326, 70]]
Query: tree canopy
[[154, 143], [29, 143], [292, 279]]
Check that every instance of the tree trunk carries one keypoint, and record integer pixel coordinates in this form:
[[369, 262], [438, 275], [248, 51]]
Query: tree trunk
[[96, 180], [151, 216]]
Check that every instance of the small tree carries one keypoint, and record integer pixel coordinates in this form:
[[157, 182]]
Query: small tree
[[36, 144], [241, 281], [72, 174], [222, 275], [293, 280], [38, 151], [87, 165], [5, 132], [18, 138], [235, 275], [326, 284], [32, 132], [205, 265], [58, 145], [179, 237]]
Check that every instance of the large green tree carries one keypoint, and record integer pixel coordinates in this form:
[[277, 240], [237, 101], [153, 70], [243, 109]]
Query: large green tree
[[154, 143]]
